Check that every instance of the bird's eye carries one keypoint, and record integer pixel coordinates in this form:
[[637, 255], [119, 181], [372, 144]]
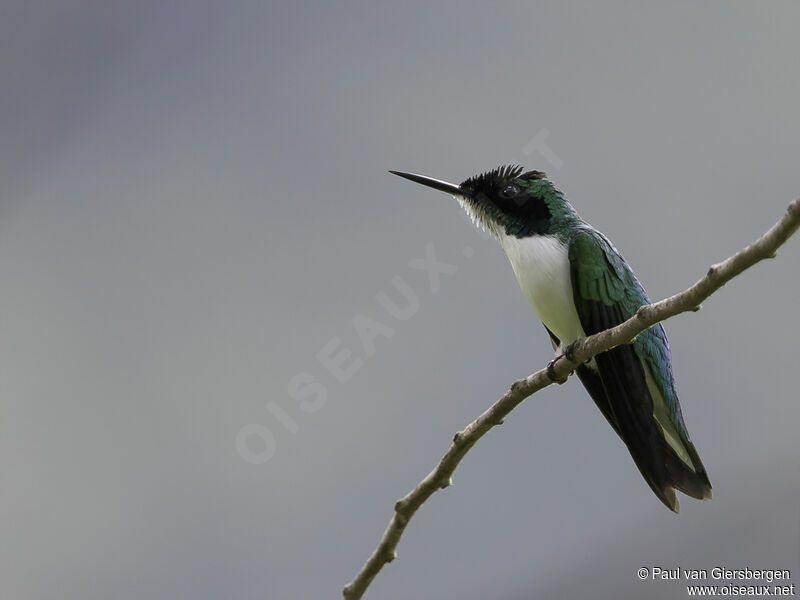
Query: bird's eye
[[510, 191]]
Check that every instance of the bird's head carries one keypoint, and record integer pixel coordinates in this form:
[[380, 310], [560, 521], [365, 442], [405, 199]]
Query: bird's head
[[506, 200]]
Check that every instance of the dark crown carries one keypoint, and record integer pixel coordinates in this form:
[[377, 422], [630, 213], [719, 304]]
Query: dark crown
[[499, 176]]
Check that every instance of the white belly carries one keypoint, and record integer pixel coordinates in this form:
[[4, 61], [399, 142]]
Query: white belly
[[541, 264]]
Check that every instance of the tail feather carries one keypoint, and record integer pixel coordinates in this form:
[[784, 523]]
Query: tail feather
[[623, 397], [620, 392], [693, 483]]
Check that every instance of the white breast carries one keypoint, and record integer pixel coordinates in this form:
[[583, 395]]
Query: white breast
[[541, 264]]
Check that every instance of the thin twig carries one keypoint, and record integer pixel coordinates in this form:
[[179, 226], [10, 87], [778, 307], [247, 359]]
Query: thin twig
[[688, 300]]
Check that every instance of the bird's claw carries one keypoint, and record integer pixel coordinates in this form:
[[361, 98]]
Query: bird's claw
[[569, 352], [551, 371]]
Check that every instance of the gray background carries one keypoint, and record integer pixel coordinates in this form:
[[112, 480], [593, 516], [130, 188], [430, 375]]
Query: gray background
[[194, 202]]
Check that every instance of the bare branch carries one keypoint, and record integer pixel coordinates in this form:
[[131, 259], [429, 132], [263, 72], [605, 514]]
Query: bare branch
[[688, 300]]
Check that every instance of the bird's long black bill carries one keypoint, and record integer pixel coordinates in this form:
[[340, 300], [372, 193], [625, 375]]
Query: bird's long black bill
[[436, 184]]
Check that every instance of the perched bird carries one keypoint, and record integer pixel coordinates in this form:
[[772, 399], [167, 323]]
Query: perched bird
[[579, 284]]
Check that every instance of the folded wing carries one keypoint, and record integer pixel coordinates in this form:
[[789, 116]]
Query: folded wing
[[632, 384]]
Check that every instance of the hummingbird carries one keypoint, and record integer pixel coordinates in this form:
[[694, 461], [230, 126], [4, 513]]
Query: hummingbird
[[579, 284]]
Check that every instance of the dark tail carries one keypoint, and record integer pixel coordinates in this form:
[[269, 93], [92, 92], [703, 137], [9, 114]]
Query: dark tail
[[619, 389]]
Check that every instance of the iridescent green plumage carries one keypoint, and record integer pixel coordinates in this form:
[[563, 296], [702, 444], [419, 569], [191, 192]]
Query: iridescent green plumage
[[638, 394], [579, 284]]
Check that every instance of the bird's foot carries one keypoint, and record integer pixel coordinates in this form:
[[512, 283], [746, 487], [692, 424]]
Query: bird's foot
[[551, 371], [569, 352]]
